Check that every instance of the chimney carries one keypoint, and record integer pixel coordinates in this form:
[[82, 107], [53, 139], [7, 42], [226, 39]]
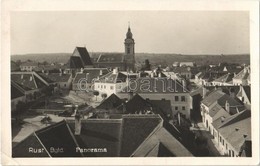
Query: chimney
[[77, 123], [152, 74], [227, 107], [22, 76], [183, 85], [204, 91], [30, 78], [115, 70], [130, 95], [101, 72], [81, 70], [160, 74]]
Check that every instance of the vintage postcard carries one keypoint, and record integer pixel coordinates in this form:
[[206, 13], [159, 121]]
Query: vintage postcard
[[130, 83]]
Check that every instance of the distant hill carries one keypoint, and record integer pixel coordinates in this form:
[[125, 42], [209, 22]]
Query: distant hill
[[163, 59]]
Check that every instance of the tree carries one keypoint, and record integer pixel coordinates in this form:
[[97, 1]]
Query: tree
[[96, 93], [147, 65], [104, 95]]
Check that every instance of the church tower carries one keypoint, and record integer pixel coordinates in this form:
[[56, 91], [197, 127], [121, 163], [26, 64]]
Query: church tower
[[129, 56]]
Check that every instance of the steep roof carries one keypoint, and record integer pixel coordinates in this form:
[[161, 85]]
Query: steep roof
[[111, 102], [212, 97], [161, 144], [112, 78], [111, 58], [84, 55], [135, 129], [227, 78], [155, 85], [15, 92], [56, 77], [243, 74], [75, 62], [236, 129], [120, 137], [28, 80]]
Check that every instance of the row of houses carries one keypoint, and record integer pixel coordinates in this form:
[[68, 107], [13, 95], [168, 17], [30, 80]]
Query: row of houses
[[227, 117], [226, 78]]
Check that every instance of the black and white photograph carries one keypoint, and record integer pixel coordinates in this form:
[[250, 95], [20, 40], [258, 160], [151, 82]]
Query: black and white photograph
[[132, 84]]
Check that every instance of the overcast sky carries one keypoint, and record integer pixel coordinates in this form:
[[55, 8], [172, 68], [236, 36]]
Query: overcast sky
[[182, 32]]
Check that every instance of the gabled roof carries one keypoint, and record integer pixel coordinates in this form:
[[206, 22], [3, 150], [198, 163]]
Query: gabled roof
[[112, 102], [120, 137], [217, 96], [113, 78], [155, 85], [110, 58], [56, 77], [28, 80], [135, 129], [78, 77], [55, 136], [75, 62], [243, 74], [15, 92], [227, 78], [84, 55], [161, 144], [236, 129], [215, 109], [212, 97]]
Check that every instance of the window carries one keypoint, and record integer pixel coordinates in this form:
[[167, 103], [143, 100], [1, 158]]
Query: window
[[128, 50], [176, 108], [182, 98], [64, 85], [111, 87], [183, 108], [104, 86], [176, 98], [223, 143], [101, 86], [226, 146], [220, 139]]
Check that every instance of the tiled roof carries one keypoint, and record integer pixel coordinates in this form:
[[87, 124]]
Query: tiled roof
[[84, 56], [29, 64], [161, 144], [111, 57], [75, 62], [15, 92], [120, 137], [27, 80], [79, 76], [212, 97], [215, 109], [181, 70], [243, 74], [112, 78], [164, 105], [247, 90], [94, 73], [155, 85], [55, 136], [99, 133], [113, 101], [56, 77], [236, 129], [225, 78], [22, 148], [135, 129], [217, 96]]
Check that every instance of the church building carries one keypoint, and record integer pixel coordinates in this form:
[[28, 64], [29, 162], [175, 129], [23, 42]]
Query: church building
[[123, 61]]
